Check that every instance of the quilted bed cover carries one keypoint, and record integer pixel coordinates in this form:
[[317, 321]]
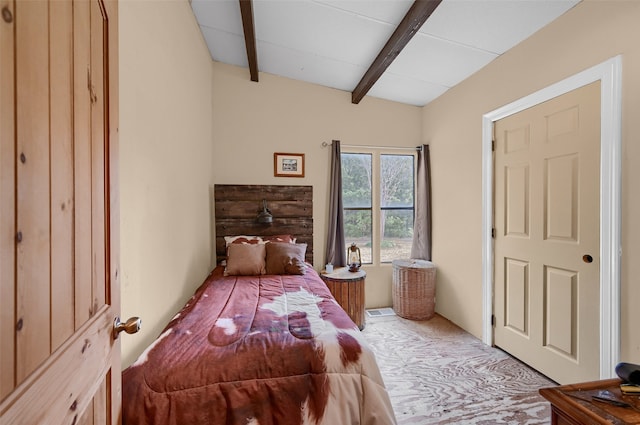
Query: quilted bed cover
[[266, 349]]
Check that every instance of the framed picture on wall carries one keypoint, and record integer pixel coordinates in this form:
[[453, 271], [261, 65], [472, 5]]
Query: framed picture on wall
[[288, 164]]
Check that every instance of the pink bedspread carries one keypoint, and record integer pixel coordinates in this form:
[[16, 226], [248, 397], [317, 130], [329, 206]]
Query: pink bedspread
[[257, 350]]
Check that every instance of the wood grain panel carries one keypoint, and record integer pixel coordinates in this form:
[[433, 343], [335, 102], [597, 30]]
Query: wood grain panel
[[259, 192], [572, 404], [113, 378], [33, 338], [85, 357], [7, 200], [98, 133], [249, 208], [99, 404], [237, 206], [64, 365], [87, 416], [343, 298], [61, 105], [348, 290], [82, 160]]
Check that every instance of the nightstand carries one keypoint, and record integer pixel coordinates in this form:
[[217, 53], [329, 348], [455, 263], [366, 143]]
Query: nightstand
[[348, 289]]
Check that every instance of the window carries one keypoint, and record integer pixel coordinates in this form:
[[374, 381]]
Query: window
[[378, 201], [357, 202], [396, 206]]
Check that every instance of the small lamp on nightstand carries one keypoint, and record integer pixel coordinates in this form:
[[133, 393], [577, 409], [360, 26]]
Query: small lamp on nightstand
[[354, 258]]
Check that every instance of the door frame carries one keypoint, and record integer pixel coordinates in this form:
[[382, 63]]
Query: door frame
[[609, 73]]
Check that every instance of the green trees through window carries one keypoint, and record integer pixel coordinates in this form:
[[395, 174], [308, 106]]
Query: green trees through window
[[396, 206], [378, 189]]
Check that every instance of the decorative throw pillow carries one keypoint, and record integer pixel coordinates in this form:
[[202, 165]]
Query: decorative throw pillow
[[245, 260], [286, 258], [296, 266], [258, 239]]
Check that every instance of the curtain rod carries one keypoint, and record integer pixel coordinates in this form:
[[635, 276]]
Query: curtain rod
[[417, 148]]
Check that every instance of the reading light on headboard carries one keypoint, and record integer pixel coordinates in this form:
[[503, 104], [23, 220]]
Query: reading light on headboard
[[265, 216]]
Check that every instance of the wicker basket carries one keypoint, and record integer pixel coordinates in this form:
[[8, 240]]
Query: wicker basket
[[414, 289]]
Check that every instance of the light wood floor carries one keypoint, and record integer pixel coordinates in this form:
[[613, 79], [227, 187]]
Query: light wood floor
[[436, 373]]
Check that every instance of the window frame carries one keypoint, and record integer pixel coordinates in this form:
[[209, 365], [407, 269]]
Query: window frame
[[376, 208]]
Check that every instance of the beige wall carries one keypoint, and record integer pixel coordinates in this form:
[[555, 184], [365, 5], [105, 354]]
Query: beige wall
[[589, 34], [165, 140], [187, 123], [252, 120]]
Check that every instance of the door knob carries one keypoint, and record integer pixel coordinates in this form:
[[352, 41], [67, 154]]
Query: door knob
[[131, 326], [587, 258]]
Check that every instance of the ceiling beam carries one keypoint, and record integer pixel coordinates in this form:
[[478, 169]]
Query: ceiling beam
[[411, 23], [246, 10]]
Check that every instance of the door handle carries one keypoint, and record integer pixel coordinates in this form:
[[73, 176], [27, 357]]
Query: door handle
[[131, 326], [587, 258]]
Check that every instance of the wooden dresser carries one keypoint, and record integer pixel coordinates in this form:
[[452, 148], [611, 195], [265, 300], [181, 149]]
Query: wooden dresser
[[573, 404], [348, 289]]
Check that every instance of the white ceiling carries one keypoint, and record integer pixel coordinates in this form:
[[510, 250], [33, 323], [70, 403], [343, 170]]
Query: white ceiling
[[333, 42]]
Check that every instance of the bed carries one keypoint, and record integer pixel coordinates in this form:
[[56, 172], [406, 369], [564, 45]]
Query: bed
[[258, 343]]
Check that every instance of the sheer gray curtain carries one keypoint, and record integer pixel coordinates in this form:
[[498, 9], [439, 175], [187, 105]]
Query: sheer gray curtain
[[336, 250], [421, 246]]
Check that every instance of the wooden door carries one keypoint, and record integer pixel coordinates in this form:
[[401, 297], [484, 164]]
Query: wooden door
[[547, 180], [59, 291]]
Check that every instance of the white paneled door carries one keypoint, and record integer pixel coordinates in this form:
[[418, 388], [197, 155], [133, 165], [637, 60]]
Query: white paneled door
[[547, 180]]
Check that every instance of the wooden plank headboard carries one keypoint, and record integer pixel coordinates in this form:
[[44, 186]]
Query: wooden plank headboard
[[237, 206]]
